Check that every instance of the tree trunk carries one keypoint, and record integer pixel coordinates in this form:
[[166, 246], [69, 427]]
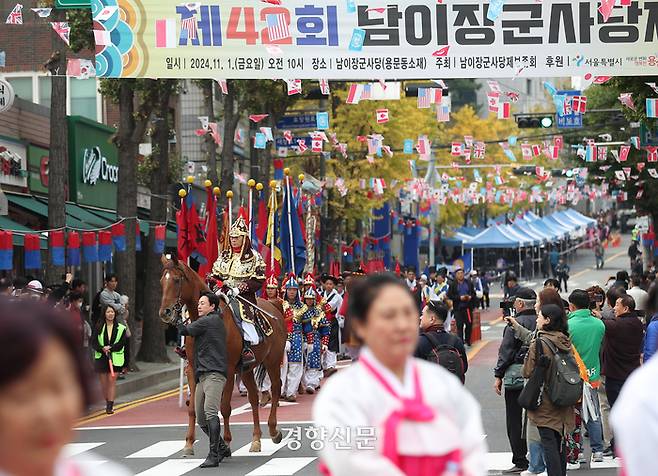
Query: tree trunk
[[58, 161], [153, 337], [132, 125], [228, 159], [208, 97]]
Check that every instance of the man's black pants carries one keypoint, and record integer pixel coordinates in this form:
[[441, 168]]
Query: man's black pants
[[464, 324], [514, 421]]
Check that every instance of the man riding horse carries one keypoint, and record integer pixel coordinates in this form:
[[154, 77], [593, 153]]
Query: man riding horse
[[240, 271]]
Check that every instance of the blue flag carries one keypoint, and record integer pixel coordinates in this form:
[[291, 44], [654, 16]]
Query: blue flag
[[288, 228]]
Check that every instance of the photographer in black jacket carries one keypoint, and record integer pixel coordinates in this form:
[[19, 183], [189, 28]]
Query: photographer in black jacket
[[210, 366], [507, 373]]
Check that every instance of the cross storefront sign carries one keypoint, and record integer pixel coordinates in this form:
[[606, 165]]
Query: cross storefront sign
[[95, 167], [6, 96]]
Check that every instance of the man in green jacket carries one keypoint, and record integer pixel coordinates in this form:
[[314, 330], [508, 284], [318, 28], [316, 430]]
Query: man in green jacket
[[587, 337]]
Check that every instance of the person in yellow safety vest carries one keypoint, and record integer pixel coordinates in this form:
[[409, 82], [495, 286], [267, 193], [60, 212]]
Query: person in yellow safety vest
[[109, 343]]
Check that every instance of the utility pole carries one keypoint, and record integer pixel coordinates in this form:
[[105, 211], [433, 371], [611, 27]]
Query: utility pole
[[430, 180]]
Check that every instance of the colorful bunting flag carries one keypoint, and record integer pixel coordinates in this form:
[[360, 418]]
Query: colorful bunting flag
[[104, 246], [6, 250], [57, 255], [32, 246], [15, 17], [63, 29], [73, 249], [118, 236], [89, 247]]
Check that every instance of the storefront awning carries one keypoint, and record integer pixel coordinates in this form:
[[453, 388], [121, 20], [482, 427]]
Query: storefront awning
[[39, 207], [7, 224]]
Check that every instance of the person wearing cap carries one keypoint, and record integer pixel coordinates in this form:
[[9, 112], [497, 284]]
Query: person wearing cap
[[34, 290], [293, 311], [462, 294], [241, 271], [507, 373], [340, 286], [334, 302], [316, 331]]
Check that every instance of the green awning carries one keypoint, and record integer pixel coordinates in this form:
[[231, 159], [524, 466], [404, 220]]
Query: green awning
[[7, 223], [88, 217], [110, 215], [40, 207]]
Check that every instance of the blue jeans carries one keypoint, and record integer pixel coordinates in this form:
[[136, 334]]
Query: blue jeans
[[595, 428], [537, 464]]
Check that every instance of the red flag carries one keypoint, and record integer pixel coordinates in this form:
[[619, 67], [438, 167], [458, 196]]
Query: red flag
[[181, 223], [261, 229], [211, 245]]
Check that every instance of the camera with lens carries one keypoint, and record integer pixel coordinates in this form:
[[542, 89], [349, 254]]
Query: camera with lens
[[507, 306]]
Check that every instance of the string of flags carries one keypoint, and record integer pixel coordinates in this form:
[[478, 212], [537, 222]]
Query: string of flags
[[72, 247]]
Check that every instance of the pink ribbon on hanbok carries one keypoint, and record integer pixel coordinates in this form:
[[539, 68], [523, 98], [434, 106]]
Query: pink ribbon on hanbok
[[413, 409]]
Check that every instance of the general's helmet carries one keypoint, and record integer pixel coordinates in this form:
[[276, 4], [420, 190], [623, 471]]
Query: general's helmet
[[272, 282], [310, 294], [239, 228]]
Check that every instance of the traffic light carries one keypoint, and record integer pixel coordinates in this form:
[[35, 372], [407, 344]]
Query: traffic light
[[535, 121]]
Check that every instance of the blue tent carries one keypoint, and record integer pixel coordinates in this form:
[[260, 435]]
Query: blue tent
[[551, 234], [528, 230], [520, 236], [587, 221], [567, 220], [470, 230], [493, 237], [457, 239], [551, 222]]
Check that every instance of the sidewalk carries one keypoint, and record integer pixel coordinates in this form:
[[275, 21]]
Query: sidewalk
[[152, 378]]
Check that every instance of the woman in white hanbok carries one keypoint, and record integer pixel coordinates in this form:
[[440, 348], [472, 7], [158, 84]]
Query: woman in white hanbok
[[391, 414]]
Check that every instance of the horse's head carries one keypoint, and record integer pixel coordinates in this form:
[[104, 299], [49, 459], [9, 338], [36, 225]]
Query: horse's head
[[176, 289]]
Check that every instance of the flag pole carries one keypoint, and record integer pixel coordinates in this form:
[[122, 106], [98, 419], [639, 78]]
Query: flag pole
[[271, 214], [288, 197], [250, 200], [229, 195]]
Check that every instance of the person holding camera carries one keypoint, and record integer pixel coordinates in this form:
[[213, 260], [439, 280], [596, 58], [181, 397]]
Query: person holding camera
[[507, 373]]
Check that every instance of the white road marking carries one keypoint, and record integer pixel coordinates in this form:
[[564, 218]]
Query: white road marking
[[161, 449], [73, 449], [499, 461], [607, 463], [172, 467], [281, 466], [268, 448]]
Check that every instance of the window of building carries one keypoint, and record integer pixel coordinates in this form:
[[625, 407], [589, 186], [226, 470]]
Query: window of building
[[45, 90], [83, 97], [22, 87]]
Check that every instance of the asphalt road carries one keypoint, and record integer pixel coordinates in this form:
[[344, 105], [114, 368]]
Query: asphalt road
[[148, 436]]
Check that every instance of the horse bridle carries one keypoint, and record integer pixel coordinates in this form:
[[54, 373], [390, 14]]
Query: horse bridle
[[175, 312]]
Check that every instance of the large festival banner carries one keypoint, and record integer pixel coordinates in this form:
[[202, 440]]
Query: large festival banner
[[359, 39]]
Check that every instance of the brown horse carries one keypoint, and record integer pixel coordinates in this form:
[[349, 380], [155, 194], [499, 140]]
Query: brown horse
[[181, 286]]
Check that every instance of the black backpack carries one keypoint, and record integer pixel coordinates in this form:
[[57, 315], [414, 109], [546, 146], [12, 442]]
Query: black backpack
[[564, 386], [447, 356]]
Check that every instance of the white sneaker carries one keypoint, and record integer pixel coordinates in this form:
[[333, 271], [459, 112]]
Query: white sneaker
[[573, 466], [530, 473]]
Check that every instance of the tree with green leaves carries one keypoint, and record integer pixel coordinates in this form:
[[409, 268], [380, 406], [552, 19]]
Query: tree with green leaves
[[642, 189]]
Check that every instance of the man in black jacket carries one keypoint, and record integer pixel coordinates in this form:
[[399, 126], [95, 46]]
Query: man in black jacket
[[433, 333], [210, 373], [462, 294], [511, 354]]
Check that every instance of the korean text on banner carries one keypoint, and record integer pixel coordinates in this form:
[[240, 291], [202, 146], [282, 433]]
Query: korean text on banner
[[229, 39]]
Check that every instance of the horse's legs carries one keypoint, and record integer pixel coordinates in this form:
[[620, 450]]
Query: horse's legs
[[252, 392], [274, 371], [226, 404]]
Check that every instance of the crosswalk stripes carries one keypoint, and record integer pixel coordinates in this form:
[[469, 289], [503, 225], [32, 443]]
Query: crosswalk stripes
[[274, 466], [282, 466]]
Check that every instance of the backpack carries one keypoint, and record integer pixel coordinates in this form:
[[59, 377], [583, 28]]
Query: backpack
[[96, 308], [564, 385], [447, 356]]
